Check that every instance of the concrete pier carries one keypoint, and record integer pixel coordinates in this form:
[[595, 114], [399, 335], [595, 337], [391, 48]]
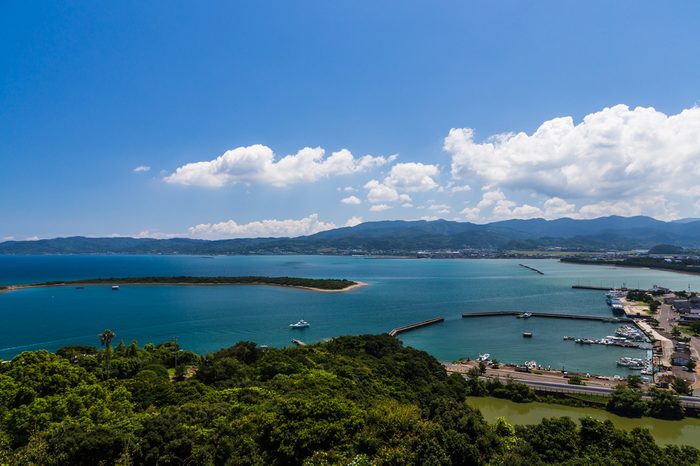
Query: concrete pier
[[531, 268], [406, 328], [546, 315]]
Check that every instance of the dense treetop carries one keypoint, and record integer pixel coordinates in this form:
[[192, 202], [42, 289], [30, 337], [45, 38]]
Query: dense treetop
[[352, 400]]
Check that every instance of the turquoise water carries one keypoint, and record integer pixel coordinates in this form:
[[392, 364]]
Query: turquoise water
[[400, 291]]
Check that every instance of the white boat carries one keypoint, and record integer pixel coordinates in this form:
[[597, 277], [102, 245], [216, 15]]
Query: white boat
[[484, 357], [525, 315], [532, 365], [115, 287], [301, 324]]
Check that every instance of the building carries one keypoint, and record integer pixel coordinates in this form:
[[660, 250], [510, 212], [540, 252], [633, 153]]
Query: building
[[680, 359], [681, 305]]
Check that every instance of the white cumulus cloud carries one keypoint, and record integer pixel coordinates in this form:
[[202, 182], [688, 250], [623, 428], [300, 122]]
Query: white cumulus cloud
[[258, 164], [613, 161], [402, 178], [261, 229], [380, 207], [353, 221], [351, 200]]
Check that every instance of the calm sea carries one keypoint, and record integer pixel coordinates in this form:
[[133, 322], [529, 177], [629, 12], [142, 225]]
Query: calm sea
[[400, 291]]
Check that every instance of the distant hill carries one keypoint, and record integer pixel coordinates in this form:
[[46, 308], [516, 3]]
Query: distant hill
[[390, 237]]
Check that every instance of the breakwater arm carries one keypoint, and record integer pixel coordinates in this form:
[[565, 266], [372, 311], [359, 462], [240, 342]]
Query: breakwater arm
[[531, 268], [406, 328], [546, 315]]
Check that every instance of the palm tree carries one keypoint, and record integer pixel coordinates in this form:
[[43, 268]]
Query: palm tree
[[106, 338]]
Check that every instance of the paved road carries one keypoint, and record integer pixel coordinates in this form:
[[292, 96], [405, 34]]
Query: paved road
[[686, 401]]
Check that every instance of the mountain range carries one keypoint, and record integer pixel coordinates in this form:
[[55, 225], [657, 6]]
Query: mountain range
[[385, 237]]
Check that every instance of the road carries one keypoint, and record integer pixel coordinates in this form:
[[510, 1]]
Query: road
[[666, 320], [535, 382]]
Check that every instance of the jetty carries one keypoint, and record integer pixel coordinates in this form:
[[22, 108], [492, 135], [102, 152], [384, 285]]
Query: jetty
[[395, 331], [601, 288], [532, 268], [298, 342], [546, 315]]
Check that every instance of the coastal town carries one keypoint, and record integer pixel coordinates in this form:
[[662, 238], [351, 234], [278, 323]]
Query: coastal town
[[664, 321]]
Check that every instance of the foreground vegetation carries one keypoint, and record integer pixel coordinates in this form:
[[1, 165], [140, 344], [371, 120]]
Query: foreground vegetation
[[352, 400], [316, 283]]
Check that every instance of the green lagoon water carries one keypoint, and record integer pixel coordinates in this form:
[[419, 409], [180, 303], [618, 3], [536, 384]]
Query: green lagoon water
[[685, 432], [400, 291]]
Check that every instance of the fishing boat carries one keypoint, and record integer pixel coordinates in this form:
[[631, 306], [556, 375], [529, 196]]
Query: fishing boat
[[301, 324]]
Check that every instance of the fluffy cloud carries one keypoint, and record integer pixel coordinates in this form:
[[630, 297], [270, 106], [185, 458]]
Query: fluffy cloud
[[258, 164], [142, 169], [460, 188], [378, 192], [261, 229], [557, 207], [380, 207], [353, 221], [351, 200], [412, 177], [440, 208], [614, 161], [402, 178]]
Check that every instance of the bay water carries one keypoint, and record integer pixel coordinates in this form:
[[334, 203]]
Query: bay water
[[399, 291]]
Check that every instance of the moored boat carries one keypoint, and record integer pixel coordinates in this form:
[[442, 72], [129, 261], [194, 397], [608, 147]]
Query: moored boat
[[301, 324]]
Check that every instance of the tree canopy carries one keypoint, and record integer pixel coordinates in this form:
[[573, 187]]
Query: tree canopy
[[352, 400]]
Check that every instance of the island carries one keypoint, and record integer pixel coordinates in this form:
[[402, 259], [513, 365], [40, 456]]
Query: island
[[313, 284]]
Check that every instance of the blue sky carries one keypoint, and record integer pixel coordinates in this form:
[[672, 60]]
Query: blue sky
[[472, 111]]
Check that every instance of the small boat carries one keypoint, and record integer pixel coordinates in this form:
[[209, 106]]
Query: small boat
[[532, 365], [527, 334], [484, 357], [301, 324], [525, 315], [115, 287], [569, 338]]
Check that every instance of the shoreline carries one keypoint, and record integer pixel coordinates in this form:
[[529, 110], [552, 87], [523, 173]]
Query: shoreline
[[356, 284], [627, 266]]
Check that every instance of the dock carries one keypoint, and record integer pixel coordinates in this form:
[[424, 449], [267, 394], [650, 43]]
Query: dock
[[298, 342], [408, 327], [532, 268], [601, 288], [547, 315]]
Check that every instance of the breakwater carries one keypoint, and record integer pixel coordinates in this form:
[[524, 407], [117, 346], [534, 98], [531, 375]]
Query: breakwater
[[531, 268], [601, 288], [546, 315], [395, 331]]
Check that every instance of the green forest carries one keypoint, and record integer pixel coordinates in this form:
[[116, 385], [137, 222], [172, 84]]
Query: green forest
[[360, 400]]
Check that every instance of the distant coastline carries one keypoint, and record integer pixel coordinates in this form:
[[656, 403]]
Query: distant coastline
[[324, 285], [640, 264]]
